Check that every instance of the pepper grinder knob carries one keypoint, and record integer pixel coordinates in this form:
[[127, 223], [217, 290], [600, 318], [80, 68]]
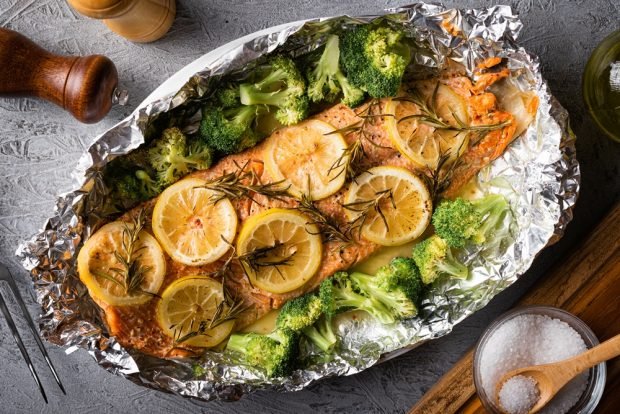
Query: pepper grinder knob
[[136, 20], [83, 85]]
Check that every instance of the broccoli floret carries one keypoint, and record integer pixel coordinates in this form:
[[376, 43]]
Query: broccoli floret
[[130, 180], [125, 188], [403, 273], [228, 96], [167, 155], [198, 371], [338, 294], [305, 314], [299, 312], [456, 221], [230, 130], [402, 276], [321, 333], [171, 157], [229, 121], [149, 187], [397, 286], [478, 221], [282, 88], [434, 258], [129, 186], [274, 353], [374, 59], [326, 81], [200, 155], [493, 209], [326, 295]]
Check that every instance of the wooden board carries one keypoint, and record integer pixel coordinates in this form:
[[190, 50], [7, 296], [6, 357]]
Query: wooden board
[[586, 283]]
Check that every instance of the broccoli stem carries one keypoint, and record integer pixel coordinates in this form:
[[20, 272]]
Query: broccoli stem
[[452, 266], [242, 115], [181, 159], [277, 335], [149, 185], [273, 79], [250, 95], [490, 204], [322, 334], [393, 300], [344, 297], [352, 96], [370, 305], [493, 209], [367, 283], [326, 69], [238, 343], [328, 63]]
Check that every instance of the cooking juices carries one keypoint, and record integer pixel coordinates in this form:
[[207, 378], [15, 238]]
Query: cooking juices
[[533, 336]]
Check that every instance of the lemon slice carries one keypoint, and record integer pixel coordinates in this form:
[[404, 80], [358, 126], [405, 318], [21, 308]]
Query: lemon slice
[[420, 142], [189, 226], [402, 198], [281, 250], [97, 263], [187, 310], [305, 155]]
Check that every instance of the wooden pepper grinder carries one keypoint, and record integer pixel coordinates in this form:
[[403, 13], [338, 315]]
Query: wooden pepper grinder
[[136, 20], [84, 86]]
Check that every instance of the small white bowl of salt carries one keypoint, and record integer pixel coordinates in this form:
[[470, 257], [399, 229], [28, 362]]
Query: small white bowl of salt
[[535, 335]]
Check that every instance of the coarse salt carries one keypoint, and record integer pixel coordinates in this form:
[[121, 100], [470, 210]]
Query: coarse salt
[[532, 340], [519, 394]]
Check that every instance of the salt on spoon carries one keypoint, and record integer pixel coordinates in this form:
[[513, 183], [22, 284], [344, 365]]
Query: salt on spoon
[[550, 378], [518, 394]]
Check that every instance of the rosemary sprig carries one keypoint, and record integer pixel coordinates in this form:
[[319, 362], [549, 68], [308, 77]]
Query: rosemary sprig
[[428, 115], [131, 273], [243, 183], [438, 178], [225, 269], [349, 161], [227, 310], [254, 260], [260, 257], [364, 207], [328, 227]]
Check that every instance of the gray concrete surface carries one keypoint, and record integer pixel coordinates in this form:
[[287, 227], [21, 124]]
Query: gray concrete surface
[[40, 144]]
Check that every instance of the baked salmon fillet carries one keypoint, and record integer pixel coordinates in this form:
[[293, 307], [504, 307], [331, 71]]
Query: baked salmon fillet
[[136, 326]]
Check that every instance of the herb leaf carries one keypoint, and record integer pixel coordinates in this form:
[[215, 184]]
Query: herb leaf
[[131, 272], [364, 207], [328, 227], [259, 258], [350, 159], [227, 310], [428, 115], [244, 183]]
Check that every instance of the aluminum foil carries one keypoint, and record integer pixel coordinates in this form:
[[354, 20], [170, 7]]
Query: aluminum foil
[[538, 173]]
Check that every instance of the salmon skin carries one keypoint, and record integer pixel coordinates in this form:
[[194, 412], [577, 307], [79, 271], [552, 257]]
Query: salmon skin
[[136, 327]]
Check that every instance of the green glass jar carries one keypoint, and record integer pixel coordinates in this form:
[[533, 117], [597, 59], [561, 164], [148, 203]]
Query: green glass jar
[[601, 85]]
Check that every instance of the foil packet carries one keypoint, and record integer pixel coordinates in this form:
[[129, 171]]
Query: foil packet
[[538, 173]]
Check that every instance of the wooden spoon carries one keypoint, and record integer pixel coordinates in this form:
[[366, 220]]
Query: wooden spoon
[[550, 378]]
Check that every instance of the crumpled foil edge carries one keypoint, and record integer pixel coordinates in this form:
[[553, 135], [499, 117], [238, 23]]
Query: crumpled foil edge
[[539, 173]]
